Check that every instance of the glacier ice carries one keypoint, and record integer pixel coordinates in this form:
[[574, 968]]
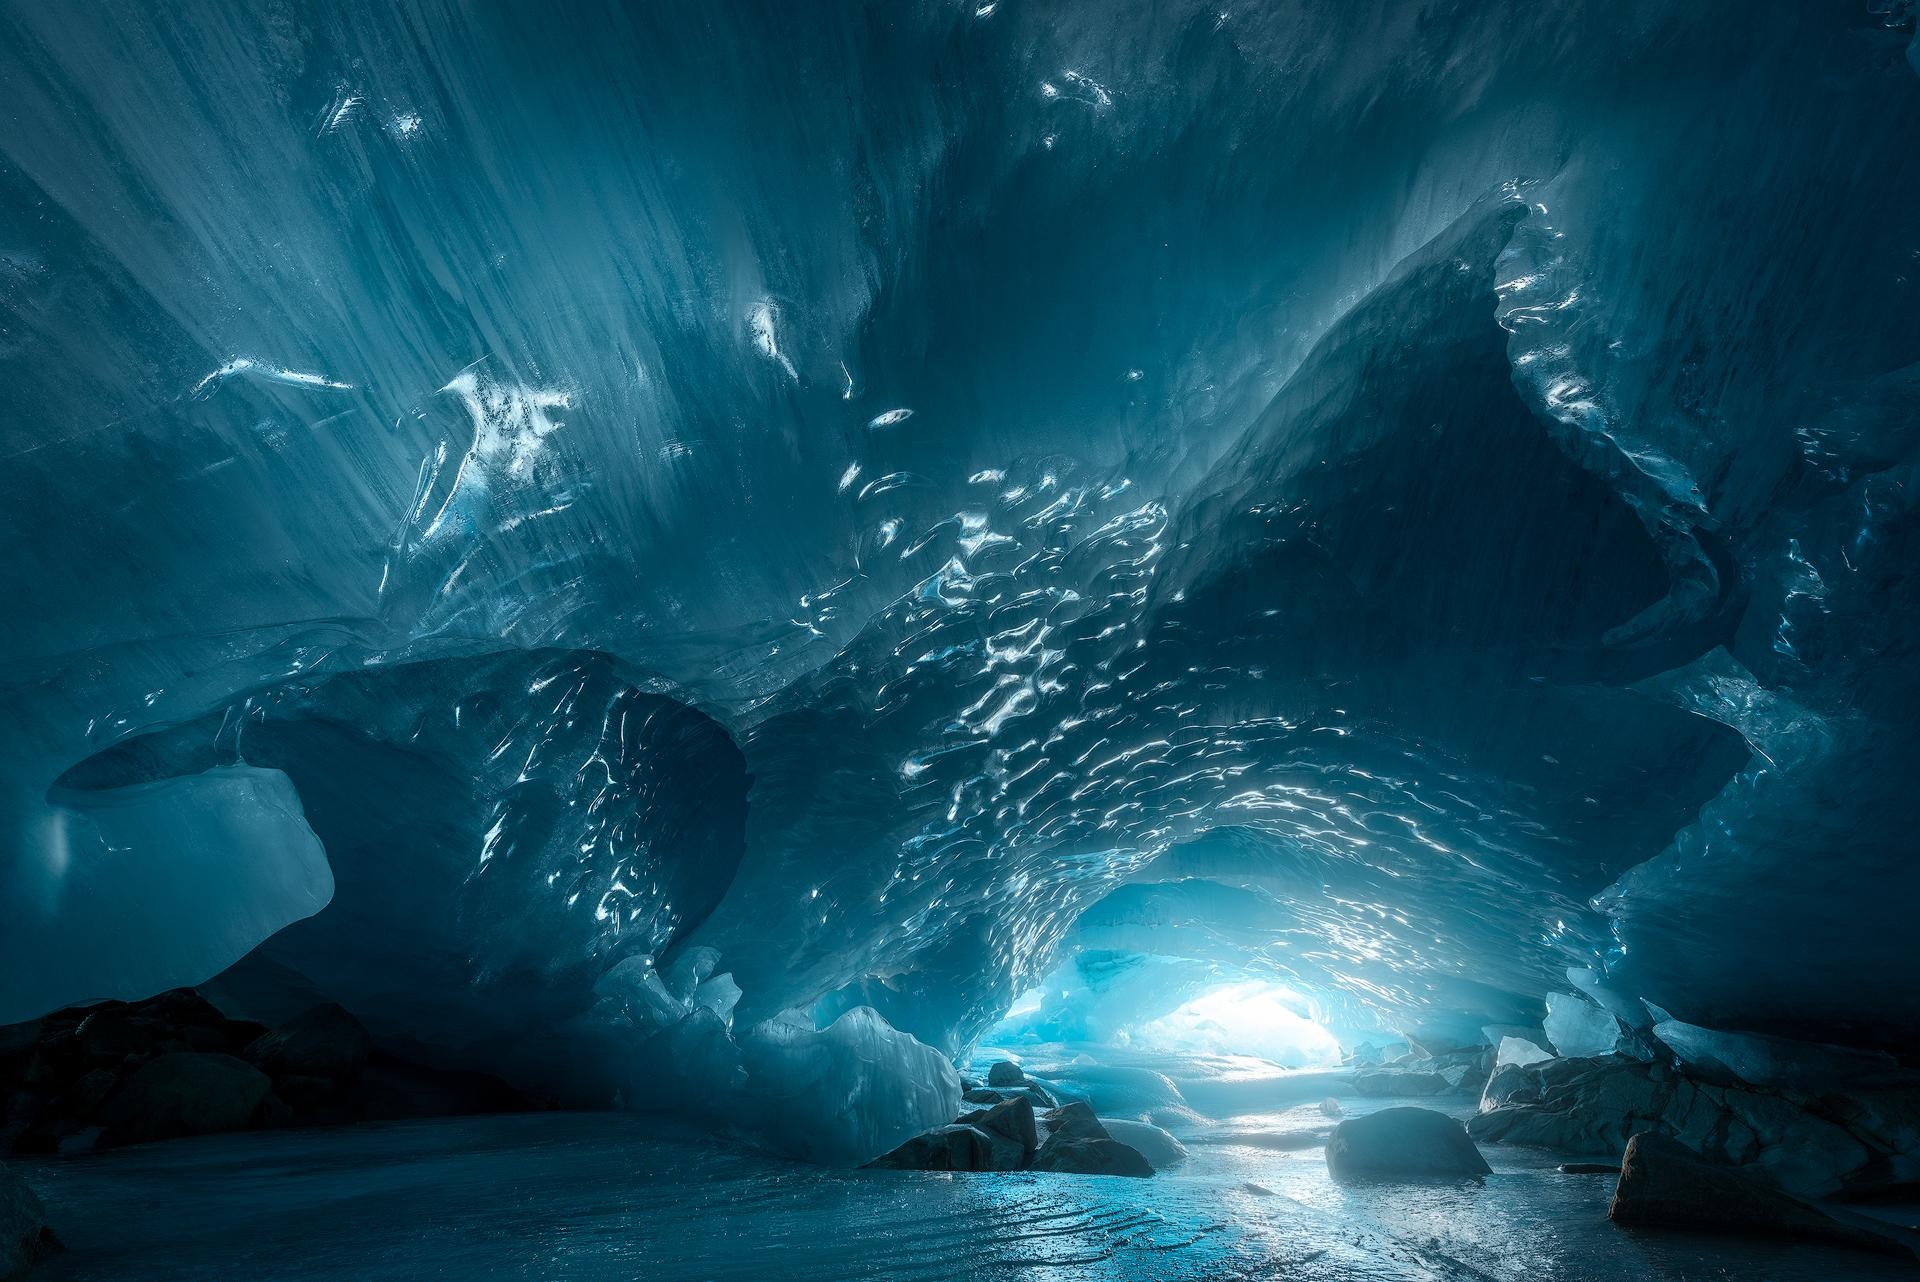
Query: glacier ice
[[1578, 1028], [630, 571], [1518, 1050]]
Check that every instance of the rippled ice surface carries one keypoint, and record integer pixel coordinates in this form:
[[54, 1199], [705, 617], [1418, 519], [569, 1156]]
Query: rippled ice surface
[[603, 1196]]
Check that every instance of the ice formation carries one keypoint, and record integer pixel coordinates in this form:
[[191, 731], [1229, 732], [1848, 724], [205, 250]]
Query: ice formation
[[672, 582], [1577, 1027]]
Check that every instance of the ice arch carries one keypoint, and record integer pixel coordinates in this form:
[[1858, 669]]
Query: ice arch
[[501, 831]]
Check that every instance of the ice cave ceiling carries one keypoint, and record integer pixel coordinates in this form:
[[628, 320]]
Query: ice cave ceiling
[[792, 508]]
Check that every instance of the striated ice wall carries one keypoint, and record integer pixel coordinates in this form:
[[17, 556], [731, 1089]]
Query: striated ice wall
[[1398, 502]]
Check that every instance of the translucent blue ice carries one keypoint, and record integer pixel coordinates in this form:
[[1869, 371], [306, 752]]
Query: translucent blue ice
[[897, 501]]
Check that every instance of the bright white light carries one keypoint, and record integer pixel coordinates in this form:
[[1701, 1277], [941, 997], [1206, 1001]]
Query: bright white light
[[1251, 1018]]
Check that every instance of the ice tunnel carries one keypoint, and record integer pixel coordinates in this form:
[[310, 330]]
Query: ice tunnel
[[641, 631]]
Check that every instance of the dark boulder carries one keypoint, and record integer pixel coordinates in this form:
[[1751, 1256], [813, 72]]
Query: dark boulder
[[1093, 1156], [184, 1093], [1511, 1084], [1006, 1073], [1666, 1185], [68, 1079], [324, 1041], [1075, 1121], [1814, 1146], [1039, 1095], [1012, 1119], [24, 1235], [1078, 1143], [1155, 1143], [1403, 1142], [946, 1148]]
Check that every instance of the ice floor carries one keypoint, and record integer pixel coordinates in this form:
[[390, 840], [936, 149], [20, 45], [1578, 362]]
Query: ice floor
[[606, 1196]]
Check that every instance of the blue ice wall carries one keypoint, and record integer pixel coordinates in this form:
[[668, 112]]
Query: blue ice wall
[[1407, 500]]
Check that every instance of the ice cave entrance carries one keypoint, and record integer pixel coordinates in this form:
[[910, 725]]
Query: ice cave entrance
[[1253, 1017]]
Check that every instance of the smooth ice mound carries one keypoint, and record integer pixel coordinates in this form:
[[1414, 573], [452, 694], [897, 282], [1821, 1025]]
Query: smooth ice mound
[[670, 587]]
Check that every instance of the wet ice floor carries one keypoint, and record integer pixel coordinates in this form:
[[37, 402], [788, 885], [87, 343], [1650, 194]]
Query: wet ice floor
[[600, 1196]]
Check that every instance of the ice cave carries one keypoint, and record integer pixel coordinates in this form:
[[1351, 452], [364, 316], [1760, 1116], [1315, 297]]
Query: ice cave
[[923, 640]]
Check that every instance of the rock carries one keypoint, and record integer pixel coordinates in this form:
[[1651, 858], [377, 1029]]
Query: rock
[[185, 1093], [1032, 1092], [1006, 1073], [1588, 1168], [1010, 1129], [1094, 1156], [113, 1031], [1510, 1084], [184, 1006], [1813, 1146], [1012, 1118], [24, 1235], [1403, 1142], [1154, 1143], [1800, 1149], [324, 1041], [62, 1074], [1075, 1121], [1535, 1127], [1078, 1142], [84, 1098], [17, 1039], [1039, 1095], [1664, 1184], [1005, 1137], [1330, 1107], [945, 1148], [275, 1113]]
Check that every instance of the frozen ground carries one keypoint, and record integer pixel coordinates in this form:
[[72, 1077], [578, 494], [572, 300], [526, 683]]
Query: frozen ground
[[605, 1196]]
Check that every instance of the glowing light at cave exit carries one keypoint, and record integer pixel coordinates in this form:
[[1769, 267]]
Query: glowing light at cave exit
[[1250, 1018]]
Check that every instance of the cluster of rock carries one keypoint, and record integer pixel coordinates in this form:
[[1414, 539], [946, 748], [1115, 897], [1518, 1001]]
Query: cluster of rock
[[1817, 1145], [1662, 1183], [1427, 1069], [1007, 1133], [1666, 1185], [172, 1065], [1005, 1080], [24, 1235]]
